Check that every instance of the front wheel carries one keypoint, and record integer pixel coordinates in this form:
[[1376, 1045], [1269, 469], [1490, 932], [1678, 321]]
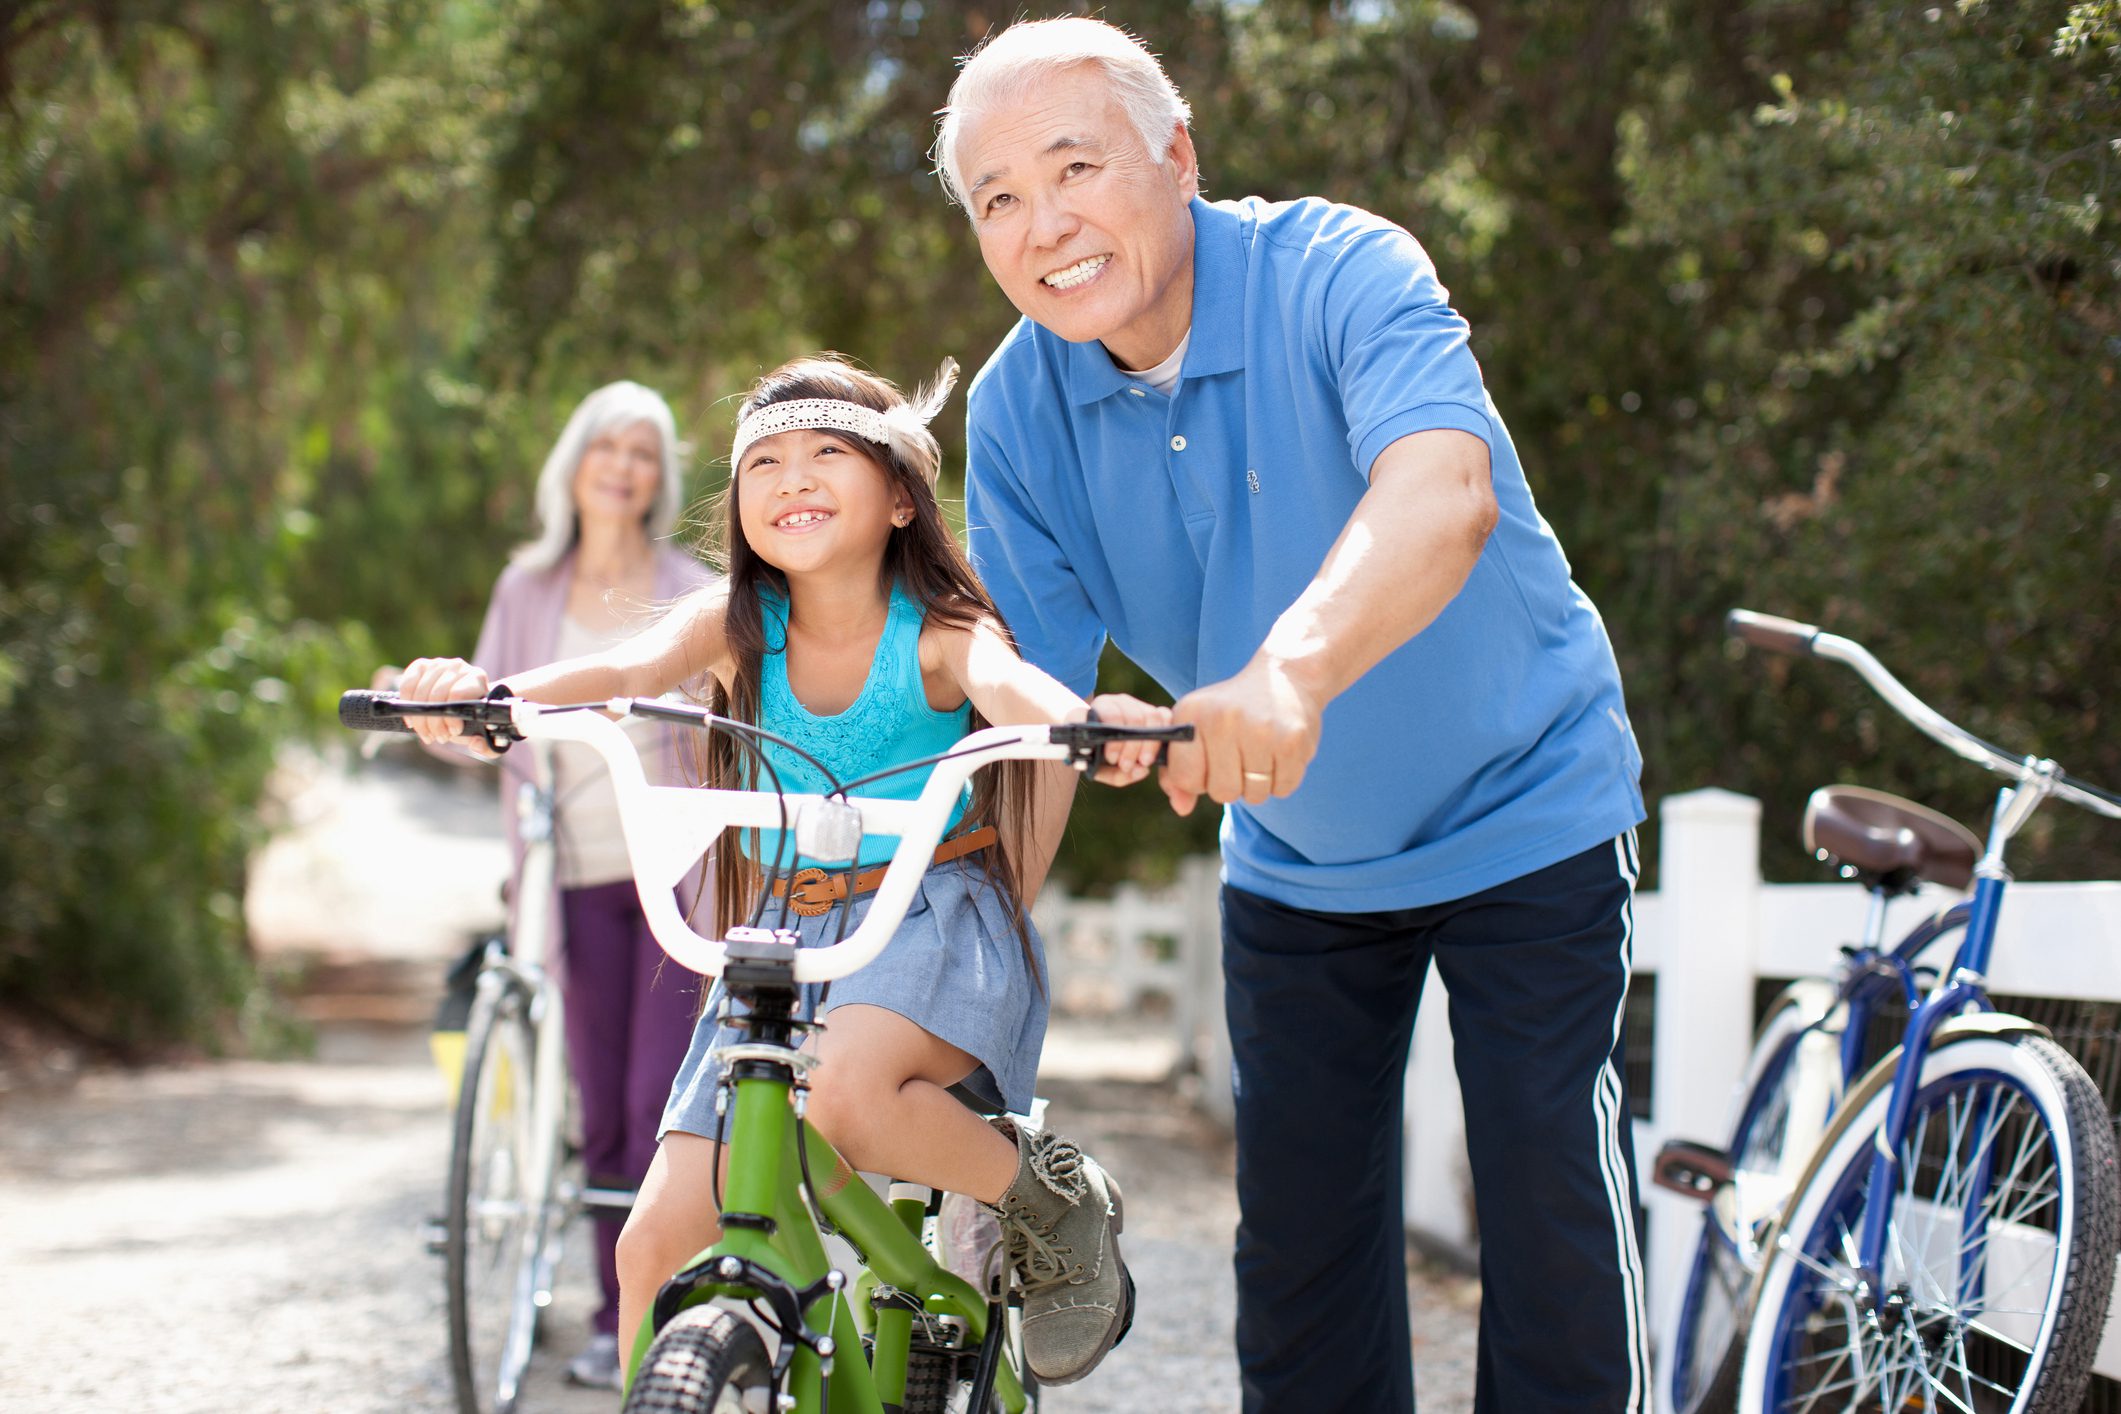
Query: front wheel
[[1999, 1251], [705, 1361], [498, 1223]]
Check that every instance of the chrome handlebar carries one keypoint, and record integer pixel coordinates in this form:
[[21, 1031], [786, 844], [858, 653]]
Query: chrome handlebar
[[1777, 635]]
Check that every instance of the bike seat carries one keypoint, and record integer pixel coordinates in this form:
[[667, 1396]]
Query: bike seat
[[1891, 841], [973, 1101]]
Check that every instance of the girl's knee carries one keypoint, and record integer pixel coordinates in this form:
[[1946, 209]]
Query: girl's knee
[[847, 1115], [657, 1241], [640, 1246]]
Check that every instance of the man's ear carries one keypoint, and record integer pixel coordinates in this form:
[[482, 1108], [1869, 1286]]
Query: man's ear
[[1186, 160]]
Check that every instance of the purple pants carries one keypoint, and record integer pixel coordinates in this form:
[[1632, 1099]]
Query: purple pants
[[629, 1019]]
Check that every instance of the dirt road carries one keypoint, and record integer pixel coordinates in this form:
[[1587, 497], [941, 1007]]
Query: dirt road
[[241, 1236]]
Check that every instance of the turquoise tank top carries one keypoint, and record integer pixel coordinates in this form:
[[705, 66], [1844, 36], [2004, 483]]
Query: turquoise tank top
[[889, 723]]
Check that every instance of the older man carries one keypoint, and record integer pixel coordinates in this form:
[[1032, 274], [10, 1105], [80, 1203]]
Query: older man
[[1248, 443]]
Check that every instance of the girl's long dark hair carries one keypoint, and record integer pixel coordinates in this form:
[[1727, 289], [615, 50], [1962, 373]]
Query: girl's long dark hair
[[926, 560]]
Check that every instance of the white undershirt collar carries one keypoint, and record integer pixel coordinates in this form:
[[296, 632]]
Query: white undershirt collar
[[1164, 377]]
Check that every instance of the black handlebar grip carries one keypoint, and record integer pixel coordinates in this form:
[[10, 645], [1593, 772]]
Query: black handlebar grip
[[359, 711], [1085, 739], [1773, 634]]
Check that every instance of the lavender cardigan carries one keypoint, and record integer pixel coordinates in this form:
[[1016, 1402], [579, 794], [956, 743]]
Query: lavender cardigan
[[522, 631]]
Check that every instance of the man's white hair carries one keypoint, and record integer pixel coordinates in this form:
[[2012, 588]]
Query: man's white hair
[[613, 406], [1024, 53]]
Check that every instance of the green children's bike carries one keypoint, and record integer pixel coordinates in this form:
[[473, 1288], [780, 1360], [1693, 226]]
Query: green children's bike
[[763, 1322]]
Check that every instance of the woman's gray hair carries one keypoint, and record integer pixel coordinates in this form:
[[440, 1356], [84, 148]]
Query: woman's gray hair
[[1024, 53], [615, 405]]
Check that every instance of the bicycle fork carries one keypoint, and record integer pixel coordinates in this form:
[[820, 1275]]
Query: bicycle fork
[[1963, 991]]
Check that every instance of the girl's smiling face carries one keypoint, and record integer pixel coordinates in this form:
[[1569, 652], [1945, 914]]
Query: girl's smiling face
[[817, 500]]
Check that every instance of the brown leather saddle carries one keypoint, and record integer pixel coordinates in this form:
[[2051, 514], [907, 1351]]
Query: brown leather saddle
[[1889, 841]]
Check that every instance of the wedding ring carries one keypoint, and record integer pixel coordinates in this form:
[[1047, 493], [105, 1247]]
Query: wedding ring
[[1259, 775]]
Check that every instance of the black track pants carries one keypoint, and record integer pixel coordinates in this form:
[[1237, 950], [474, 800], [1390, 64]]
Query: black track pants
[[1321, 1009]]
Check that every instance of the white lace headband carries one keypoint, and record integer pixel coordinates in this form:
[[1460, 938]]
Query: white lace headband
[[903, 428]]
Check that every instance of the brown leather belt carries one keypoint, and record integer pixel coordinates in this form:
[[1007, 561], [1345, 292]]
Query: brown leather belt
[[812, 891]]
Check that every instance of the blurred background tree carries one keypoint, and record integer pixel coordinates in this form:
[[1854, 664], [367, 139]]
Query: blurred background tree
[[1811, 308]]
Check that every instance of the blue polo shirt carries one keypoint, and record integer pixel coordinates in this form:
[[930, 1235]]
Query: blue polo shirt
[[1493, 743]]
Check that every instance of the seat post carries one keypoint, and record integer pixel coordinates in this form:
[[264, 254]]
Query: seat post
[[1874, 917]]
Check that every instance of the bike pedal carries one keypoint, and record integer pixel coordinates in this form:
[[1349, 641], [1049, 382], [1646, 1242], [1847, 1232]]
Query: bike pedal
[[1693, 1170], [434, 1235]]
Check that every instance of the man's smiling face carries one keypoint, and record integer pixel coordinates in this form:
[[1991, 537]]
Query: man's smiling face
[[1086, 232]]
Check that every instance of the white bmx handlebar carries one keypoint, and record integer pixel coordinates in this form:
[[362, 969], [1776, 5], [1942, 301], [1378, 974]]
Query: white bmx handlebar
[[668, 828]]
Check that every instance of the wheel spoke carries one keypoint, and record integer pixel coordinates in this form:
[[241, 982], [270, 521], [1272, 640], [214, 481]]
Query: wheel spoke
[[1817, 1268], [1970, 1376], [1848, 1355], [2013, 1197], [1973, 1268], [2009, 1207], [1919, 1364], [1827, 1385]]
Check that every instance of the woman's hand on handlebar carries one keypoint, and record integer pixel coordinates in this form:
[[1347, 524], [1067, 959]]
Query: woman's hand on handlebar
[[1128, 761], [443, 680]]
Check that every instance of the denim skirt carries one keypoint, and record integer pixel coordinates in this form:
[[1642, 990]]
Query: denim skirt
[[955, 968]]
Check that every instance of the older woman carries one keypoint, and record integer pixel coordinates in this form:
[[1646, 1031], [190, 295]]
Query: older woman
[[607, 502]]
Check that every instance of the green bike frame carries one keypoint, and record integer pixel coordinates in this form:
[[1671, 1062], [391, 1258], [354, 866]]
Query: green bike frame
[[766, 1226]]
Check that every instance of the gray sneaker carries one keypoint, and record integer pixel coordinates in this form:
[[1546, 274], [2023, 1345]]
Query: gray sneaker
[[597, 1366], [1060, 1222]]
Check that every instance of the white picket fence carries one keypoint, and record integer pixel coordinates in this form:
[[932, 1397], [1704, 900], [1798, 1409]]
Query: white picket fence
[[1707, 935], [1154, 951]]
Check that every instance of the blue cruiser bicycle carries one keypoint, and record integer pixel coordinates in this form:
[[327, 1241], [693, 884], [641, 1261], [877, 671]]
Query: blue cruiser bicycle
[[1936, 1233]]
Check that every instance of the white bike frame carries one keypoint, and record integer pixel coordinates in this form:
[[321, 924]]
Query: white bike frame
[[668, 828]]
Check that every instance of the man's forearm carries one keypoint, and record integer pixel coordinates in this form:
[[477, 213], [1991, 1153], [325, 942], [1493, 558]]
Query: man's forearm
[[1404, 554]]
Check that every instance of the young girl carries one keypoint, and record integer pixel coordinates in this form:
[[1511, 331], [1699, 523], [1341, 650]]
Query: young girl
[[851, 623]]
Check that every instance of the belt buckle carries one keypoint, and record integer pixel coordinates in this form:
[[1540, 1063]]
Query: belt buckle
[[804, 903]]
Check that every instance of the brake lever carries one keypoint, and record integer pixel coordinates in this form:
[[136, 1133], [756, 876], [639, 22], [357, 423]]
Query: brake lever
[[500, 732], [1085, 747]]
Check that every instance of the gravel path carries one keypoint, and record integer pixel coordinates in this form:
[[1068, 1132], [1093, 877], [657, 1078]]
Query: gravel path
[[234, 1236], [237, 1236], [245, 1236], [1178, 1171]]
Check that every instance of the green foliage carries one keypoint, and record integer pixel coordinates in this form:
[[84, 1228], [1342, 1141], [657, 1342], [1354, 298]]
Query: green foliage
[[206, 217], [1905, 281], [1811, 308]]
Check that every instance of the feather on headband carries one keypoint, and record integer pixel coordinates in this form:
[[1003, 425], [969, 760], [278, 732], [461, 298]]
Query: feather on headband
[[904, 428]]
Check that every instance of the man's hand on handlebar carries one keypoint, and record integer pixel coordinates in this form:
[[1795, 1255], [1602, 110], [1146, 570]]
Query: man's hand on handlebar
[[1255, 735], [444, 680], [1127, 761]]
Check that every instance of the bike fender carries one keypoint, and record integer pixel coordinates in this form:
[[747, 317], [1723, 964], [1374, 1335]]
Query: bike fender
[[1987, 1023]]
